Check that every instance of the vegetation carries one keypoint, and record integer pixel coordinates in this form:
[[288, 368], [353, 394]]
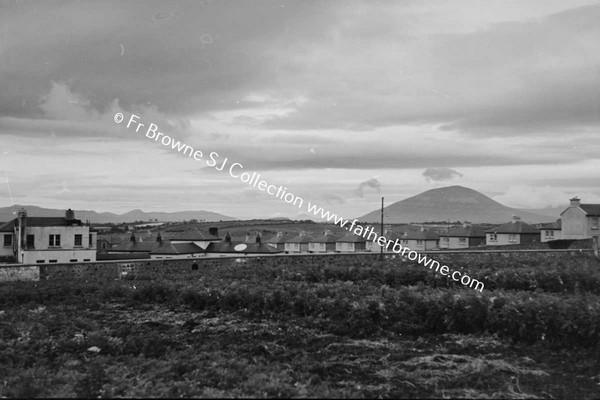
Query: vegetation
[[298, 330]]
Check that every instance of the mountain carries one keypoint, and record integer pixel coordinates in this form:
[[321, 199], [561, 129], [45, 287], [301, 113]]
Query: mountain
[[8, 213], [452, 203]]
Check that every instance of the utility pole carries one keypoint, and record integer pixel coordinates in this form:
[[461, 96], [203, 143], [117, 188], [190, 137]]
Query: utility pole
[[381, 253]]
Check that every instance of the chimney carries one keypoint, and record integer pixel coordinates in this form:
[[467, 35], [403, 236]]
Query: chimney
[[280, 234], [327, 232], [213, 230], [69, 215], [515, 219], [228, 238], [575, 202], [22, 220], [258, 238], [247, 240], [132, 238], [387, 230], [302, 233], [466, 225], [422, 228], [159, 238]]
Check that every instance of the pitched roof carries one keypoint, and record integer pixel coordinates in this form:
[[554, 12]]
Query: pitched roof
[[300, 239], [241, 248], [422, 235], [194, 235], [591, 209], [134, 245], [461, 231], [514, 227], [556, 225], [166, 247], [41, 222], [8, 227], [351, 238], [277, 239], [326, 238]]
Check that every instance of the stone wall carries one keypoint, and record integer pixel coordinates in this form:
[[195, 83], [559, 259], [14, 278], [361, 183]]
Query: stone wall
[[183, 268]]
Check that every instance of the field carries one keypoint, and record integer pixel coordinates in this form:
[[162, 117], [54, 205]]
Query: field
[[303, 330]]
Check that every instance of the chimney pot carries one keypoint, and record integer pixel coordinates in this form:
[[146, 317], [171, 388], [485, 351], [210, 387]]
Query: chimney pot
[[515, 219], [575, 202], [258, 238], [69, 215], [213, 230]]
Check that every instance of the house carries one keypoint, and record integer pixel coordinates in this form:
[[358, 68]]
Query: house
[[422, 239], [135, 246], [462, 237], [580, 221], [551, 231], [166, 249], [514, 232], [277, 241], [298, 244], [229, 248], [37, 240], [350, 243], [372, 245], [324, 243], [197, 237]]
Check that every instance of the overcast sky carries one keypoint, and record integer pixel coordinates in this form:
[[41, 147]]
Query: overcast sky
[[342, 102]]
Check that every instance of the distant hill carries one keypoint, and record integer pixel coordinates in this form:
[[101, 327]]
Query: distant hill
[[8, 213], [452, 203]]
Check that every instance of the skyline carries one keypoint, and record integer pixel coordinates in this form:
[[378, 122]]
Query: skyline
[[340, 102]]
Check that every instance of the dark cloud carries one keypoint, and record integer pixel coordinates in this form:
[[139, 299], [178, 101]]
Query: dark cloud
[[441, 174], [369, 183]]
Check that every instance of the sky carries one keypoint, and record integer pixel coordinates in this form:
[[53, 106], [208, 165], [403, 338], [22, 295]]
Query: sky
[[341, 102]]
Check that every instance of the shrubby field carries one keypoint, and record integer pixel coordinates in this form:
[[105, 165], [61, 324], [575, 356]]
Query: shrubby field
[[301, 330]]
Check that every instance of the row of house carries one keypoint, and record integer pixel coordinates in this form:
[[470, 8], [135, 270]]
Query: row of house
[[38, 240]]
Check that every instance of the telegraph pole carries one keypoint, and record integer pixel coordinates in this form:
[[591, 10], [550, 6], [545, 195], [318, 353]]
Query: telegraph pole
[[381, 253]]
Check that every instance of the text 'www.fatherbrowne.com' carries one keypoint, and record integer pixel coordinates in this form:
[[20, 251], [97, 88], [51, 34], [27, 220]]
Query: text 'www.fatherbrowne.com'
[[236, 171]]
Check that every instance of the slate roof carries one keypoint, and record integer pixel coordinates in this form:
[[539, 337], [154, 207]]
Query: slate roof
[[556, 225], [351, 238], [194, 235], [422, 235], [41, 222], [514, 227], [592, 210], [461, 231], [301, 239], [166, 247], [277, 239], [241, 248], [135, 246], [326, 238]]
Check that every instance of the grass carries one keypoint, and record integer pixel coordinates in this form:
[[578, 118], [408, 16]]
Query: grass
[[298, 331]]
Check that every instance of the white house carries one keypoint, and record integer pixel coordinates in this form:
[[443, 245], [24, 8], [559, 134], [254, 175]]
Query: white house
[[38, 240], [580, 221], [552, 231]]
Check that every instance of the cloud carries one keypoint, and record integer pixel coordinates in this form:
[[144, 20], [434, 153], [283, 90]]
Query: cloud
[[441, 174], [369, 183]]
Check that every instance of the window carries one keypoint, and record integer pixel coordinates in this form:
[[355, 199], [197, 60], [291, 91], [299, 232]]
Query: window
[[52, 261], [493, 237], [404, 241], [446, 240], [39, 261], [7, 240], [30, 241], [462, 241], [78, 239], [549, 234], [595, 223], [54, 241], [90, 241], [73, 260], [86, 259], [420, 242], [512, 238]]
